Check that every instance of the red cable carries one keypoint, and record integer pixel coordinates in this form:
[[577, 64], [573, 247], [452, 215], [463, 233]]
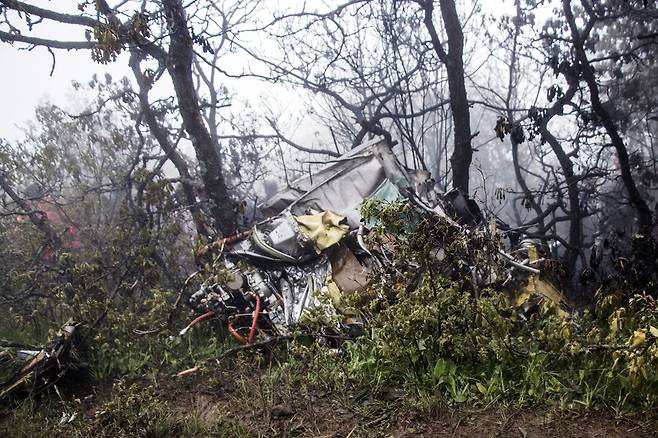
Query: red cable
[[252, 330], [197, 320], [254, 320], [238, 337]]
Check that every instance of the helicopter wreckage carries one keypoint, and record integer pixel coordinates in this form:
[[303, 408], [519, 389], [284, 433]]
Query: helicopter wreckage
[[313, 248]]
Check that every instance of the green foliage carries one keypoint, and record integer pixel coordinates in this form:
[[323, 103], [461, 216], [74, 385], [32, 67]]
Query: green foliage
[[116, 295], [437, 340], [317, 365], [422, 246], [427, 333], [131, 410]]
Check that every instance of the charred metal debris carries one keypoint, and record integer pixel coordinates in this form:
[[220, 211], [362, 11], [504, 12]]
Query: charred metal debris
[[315, 248], [34, 369]]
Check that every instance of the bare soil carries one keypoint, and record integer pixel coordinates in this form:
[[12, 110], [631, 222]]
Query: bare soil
[[254, 403], [300, 412]]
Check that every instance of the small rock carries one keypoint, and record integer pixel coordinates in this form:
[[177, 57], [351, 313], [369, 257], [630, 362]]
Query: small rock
[[279, 411], [392, 394]]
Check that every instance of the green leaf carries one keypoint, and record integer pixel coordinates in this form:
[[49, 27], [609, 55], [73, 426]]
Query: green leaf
[[439, 370]]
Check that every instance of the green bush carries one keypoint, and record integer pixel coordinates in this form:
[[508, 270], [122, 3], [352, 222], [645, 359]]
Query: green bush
[[438, 340]]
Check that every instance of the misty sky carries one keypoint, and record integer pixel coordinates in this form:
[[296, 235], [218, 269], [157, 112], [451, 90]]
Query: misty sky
[[26, 81]]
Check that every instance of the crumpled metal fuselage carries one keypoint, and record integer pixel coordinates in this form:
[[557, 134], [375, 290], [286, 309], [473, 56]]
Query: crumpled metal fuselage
[[310, 250]]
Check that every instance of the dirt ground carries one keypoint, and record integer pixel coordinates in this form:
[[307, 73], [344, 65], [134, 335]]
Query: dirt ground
[[330, 419], [308, 413], [255, 404]]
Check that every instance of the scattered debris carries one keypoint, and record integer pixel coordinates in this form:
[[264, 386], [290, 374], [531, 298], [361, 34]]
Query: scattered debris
[[313, 248], [188, 371], [68, 418], [43, 367]]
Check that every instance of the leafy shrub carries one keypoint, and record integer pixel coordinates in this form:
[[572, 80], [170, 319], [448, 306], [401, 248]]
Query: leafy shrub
[[437, 339], [133, 411]]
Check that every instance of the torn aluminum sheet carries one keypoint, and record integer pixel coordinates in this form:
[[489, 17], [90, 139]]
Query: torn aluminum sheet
[[293, 239], [333, 197], [312, 246], [311, 218], [281, 238], [287, 259], [343, 185], [299, 290]]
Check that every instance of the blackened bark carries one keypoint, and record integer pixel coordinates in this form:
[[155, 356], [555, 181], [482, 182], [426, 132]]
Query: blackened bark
[[587, 72], [179, 66], [453, 60]]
